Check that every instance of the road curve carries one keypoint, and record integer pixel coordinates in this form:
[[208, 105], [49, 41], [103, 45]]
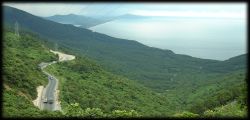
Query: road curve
[[49, 97], [48, 100]]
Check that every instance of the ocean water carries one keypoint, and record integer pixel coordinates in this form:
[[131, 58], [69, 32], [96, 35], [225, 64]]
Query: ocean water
[[209, 38]]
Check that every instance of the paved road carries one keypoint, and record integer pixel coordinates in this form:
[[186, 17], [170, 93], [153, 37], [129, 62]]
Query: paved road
[[48, 98], [50, 94], [48, 101]]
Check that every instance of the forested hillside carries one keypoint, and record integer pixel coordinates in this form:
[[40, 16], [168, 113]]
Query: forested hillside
[[89, 85], [216, 92], [88, 90], [113, 77], [84, 82], [124, 57], [21, 75]]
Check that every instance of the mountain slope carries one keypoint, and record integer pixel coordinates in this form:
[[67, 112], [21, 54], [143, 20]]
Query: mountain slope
[[81, 81], [24, 52], [233, 64], [232, 110], [185, 82], [218, 91], [124, 57], [86, 83], [21, 75]]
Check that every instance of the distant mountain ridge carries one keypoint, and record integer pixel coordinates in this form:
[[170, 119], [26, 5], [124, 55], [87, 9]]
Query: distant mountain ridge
[[87, 22], [82, 21]]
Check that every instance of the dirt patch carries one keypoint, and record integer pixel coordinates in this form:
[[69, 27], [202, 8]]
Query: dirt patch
[[37, 101], [6, 87], [62, 56], [22, 94]]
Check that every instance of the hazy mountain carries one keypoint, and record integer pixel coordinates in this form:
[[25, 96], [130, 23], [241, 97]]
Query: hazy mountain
[[87, 22], [79, 20]]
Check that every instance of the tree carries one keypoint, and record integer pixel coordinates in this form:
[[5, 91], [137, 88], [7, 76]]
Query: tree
[[232, 109], [94, 112], [186, 114], [124, 113], [73, 110]]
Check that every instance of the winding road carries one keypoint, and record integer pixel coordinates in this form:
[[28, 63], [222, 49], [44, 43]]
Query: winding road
[[49, 96], [48, 99]]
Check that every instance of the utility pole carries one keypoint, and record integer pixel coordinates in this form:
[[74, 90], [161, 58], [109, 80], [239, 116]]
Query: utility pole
[[16, 29]]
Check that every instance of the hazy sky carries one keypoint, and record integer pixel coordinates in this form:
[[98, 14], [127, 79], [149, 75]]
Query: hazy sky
[[228, 10]]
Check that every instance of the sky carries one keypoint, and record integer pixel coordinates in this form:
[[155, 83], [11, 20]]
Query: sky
[[227, 10]]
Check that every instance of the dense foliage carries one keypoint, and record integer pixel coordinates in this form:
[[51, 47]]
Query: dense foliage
[[86, 83], [21, 75], [98, 93], [124, 57], [218, 92], [74, 110], [17, 104], [232, 109], [21, 56], [172, 84], [186, 114]]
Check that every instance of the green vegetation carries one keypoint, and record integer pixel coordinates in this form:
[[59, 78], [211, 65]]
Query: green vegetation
[[84, 82], [112, 77], [21, 57], [74, 110], [186, 114], [17, 104], [216, 92], [128, 58], [21, 75], [232, 109]]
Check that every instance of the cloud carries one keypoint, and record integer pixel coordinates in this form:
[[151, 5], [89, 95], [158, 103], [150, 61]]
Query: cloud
[[195, 6], [220, 14]]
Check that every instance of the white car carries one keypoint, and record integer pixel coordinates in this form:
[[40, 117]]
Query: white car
[[44, 100]]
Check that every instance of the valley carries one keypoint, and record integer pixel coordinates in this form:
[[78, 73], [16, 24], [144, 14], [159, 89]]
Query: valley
[[100, 76]]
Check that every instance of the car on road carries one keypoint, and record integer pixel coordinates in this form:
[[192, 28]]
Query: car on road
[[44, 100], [50, 101]]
